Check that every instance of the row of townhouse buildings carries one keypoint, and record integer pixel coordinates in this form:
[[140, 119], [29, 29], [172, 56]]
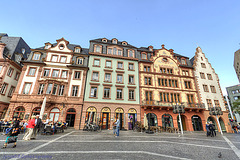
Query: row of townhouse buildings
[[113, 79]]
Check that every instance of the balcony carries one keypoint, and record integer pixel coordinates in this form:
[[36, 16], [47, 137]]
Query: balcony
[[168, 105]]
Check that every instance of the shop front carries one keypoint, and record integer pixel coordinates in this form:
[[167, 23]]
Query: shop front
[[105, 118], [70, 117], [119, 114], [197, 123], [132, 118]]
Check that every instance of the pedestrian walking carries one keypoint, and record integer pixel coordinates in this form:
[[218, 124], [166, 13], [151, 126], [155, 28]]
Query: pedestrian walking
[[212, 129], [207, 128], [13, 134], [38, 124], [30, 127], [117, 126], [114, 128]]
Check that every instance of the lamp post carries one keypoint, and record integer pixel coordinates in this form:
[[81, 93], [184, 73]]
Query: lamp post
[[216, 111], [178, 109]]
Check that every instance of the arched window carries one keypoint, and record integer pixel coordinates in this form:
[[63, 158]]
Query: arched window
[[54, 114], [19, 112], [167, 120], [152, 119], [36, 111]]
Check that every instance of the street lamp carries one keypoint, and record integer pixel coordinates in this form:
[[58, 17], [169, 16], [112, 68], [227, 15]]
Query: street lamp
[[216, 111], [178, 109]]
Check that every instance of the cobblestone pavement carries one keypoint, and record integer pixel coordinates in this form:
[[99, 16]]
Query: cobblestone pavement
[[75, 144]]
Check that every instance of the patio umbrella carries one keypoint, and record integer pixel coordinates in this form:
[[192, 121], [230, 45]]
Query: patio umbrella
[[43, 107], [145, 121]]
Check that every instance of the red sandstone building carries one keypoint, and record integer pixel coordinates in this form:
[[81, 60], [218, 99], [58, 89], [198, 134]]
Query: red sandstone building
[[167, 78], [58, 72]]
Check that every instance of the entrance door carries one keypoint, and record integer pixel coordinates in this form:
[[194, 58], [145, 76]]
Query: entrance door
[[152, 118], [120, 119], [131, 121], [70, 119], [197, 123], [105, 122], [222, 125]]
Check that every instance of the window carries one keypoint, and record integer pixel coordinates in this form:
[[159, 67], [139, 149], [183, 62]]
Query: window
[[185, 73], [187, 84], [144, 56], [119, 94], [147, 81], [3, 88], [131, 53], [213, 90], [190, 98], [63, 59], [93, 92], [79, 60], [77, 75], [64, 74], [114, 41], [166, 70], [148, 95], [216, 102], [108, 64], [114, 51], [10, 93], [209, 103], [205, 88], [131, 66], [26, 88], [55, 73], [32, 71], [109, 50], [209, 76], [10, 72], [61, 46], [106, 93], [46, 72], [119, 52], [108, 77], [17, 76], [183, 61], [74, 91], [54, 91], [41, 88], [147, 69], [96, 62], [36, 56], [61, 90], [54, 58], [120, 65], [95, 76], [131, 79], [131, 94], [98, 49], [169, 97], [77, 50], [167, 82], [202, 75], [119, 78], [203, 65], [49, 88]]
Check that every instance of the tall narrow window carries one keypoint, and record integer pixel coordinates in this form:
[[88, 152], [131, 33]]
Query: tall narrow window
[[203, 65], [61, 90], [131, 66], [95, 76], [108, 64], [64, 74], [32, 71], [98, 49], [107, 77], [209, 103], [17, 76], [209, 76], [119, 52], [131, 79], [54, 58], [49, 88], [79, 60], [3, 88], [119, 93], [187, 84], [96, 62], [130, 53], [120, 65], [55, 73], [10, 72], [205, 88], [131, 94], [63, 59], [93, 92], [74, 91], [106, 93], [213, 90], [202, 75], [114, 51], [41, 88], [119, 78], [77, 75], [190, 98], [36, 56], [109, 50], [27, 87], [10, 93], [216, 102], [148, 95]]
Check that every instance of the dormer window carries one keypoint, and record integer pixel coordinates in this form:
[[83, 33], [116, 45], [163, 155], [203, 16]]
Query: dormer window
[[79, 60], [77, 50], [183, 61], [114, 41], [97, 48], [61, 46], [130, 53], [104, 40], [36, 56], [124, 43], [18, 58], [23, 50], [47, 46], [144, 56]]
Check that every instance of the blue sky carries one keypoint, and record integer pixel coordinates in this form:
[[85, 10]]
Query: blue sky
[[214, 25]]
